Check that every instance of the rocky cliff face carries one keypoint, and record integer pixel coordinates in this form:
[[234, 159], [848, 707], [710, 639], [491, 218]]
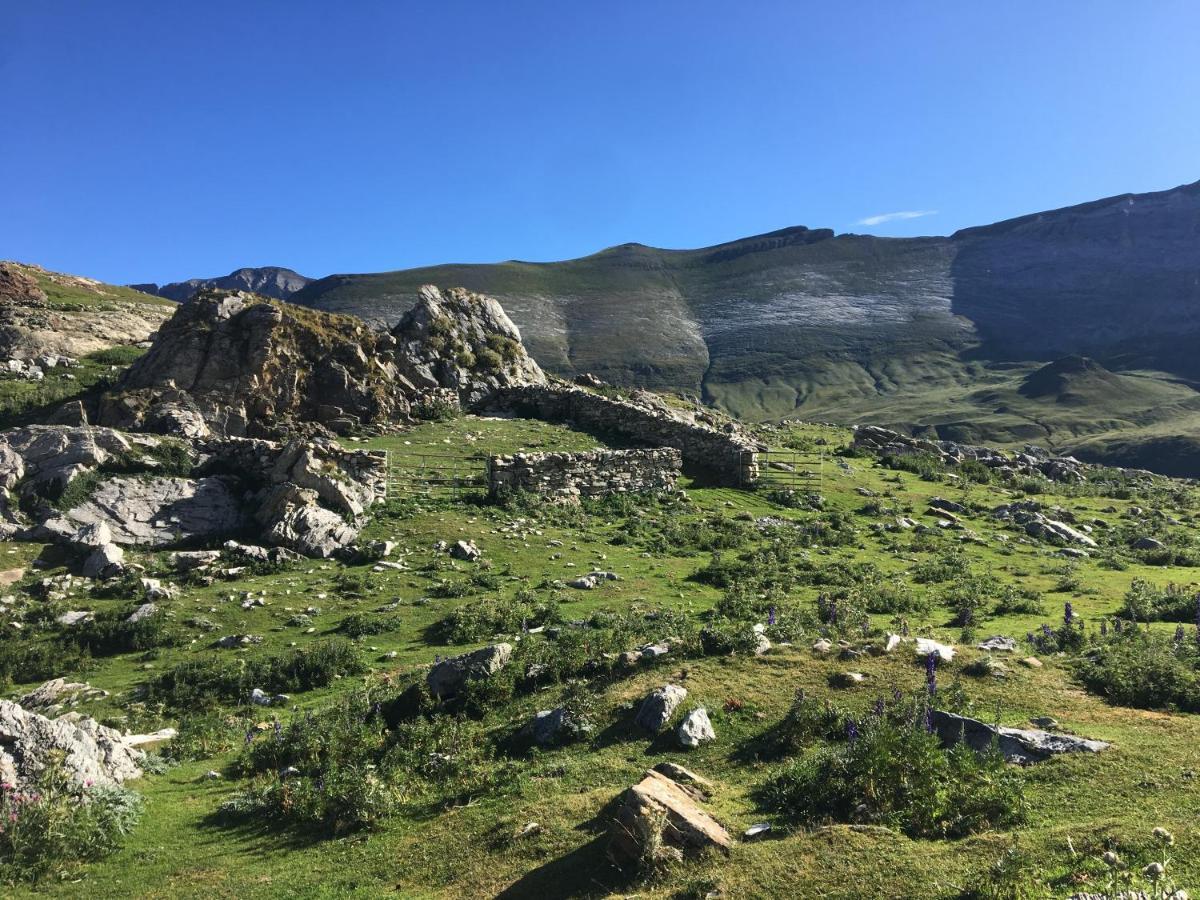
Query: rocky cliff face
[[803, 322], [267, 281], [241, 365], [48, 313]]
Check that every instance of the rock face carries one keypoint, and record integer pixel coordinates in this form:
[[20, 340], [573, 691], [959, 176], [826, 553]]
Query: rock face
[[93, 753], [162, 512], [1018, 745], [308, 496], [236, 364], [659, 813], [447, 677], [98, 316], [597, 473]]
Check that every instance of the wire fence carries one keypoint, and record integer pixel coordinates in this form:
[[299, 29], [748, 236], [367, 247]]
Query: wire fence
[[415, 474]]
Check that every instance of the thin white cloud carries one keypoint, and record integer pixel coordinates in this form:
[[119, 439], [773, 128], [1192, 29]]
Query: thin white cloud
[[896, 216]]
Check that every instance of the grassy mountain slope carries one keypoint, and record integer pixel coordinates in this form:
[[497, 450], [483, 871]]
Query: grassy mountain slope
[[847, 328]]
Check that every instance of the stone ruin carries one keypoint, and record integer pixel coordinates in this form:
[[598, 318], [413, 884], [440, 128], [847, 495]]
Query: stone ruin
[[595, 473]]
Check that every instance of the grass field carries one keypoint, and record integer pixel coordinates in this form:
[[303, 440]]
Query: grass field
[[474, 841]]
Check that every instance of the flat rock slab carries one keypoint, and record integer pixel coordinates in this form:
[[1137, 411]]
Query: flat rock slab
[[158, 512], [1019, 745], [658, 802]]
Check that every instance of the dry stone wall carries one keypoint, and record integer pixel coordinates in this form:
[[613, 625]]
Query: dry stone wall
[[727, 456], [597, 473]]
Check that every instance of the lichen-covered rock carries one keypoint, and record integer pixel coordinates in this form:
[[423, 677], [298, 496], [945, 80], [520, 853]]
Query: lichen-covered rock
[[695, 729], [91, 752]]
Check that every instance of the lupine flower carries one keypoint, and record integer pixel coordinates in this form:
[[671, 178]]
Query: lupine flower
[[878, 710], [852, 731], [896, 695], [928, 719], [1180, 635], [771, 616], [1068, 613], [931, 673]]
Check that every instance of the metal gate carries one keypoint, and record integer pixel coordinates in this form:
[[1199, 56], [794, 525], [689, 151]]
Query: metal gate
[[791, 469], [415, 473]]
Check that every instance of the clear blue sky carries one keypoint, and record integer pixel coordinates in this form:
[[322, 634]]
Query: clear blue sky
[[161, 140]]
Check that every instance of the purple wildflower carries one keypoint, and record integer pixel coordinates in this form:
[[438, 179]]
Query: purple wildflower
[[1068, 613], [877, 712], [851, 731], [931, 673], [771, 616], [928, 719], [1104, 628]]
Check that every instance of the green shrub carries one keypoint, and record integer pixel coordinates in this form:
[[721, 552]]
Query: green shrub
[[207, 681], [1146, 603], [56, 824], [926, 465], [110, 631], [206, 735], [891, 770], [478, 620], [361, 624], [1143, 669]]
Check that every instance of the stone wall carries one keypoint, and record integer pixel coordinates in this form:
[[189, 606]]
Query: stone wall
[[596, 473], [724, 455]]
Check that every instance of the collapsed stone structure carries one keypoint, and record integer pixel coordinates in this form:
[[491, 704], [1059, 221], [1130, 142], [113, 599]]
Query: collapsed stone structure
[[308, 496], [595, 473], [723, 453], [1030, 461]]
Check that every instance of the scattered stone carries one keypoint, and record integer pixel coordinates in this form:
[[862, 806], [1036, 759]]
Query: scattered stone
[[1147, 543], [658, 707], [695, 729], [998, 643], [58, 691], [925, 647], [848, 679], [657, 815], [546, 726], [467, 551], [756, 831], [1032, 662], [91, 752], [145, 611]]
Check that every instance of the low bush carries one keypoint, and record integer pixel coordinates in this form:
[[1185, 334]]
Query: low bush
[[889, 769], [480, 619], [1146, 603], [1134, 667], [56, 824], [361, 624], [211, 680]]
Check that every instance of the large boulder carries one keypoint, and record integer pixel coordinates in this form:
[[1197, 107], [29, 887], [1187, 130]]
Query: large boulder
[[658, 707], [659, 816], [1019, 745], [447, 677], [91, 752]]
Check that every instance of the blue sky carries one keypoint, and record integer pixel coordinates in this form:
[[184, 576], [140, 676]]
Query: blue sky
[[156, 141]]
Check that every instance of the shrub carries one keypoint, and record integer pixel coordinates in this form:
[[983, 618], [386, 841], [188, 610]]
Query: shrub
[[891, 770], [207, 735], [480, 619], [26, 660], [946, 567], [207, 681], [360, 624], [110, 631], [1146, 603], [1015, 601], [57, 823], [926, 465], [1143, 669]]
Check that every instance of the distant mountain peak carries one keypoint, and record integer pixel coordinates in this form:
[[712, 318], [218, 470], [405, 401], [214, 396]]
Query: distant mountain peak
[[269, 281]]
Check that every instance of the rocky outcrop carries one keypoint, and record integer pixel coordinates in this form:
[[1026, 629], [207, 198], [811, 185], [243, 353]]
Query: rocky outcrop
[[720, 451], [308, 496], [92, 753], [1019, 745], [1031, 461], [595, 473], [34, 327], [658, 707], [235, 364], [464, 342]]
